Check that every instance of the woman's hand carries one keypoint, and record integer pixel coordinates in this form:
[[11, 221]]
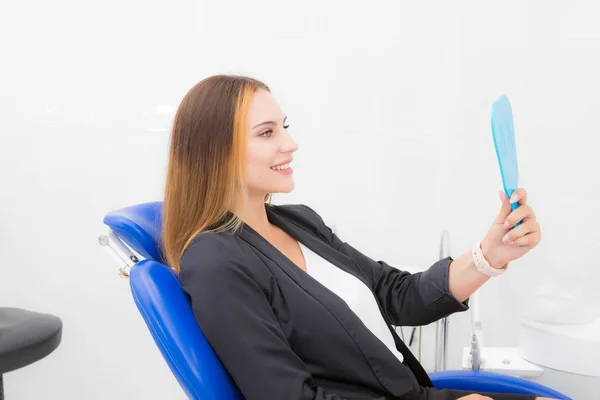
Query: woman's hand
[[503, 244]]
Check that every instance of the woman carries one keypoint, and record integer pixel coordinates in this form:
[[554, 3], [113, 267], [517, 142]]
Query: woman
[[291, 310]]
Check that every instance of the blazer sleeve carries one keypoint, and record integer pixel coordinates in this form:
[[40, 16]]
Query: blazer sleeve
[[407, 299], [233, 311]]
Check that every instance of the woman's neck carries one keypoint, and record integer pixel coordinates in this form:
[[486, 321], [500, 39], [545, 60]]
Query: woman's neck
[[254, 214]]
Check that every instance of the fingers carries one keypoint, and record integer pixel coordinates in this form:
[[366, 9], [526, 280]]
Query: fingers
[[523, 213], [504, 210], [519, 195], [531, 239], [527, 227], [527, 234]]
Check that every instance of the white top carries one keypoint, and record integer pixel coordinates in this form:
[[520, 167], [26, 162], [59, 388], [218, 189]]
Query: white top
[[354, 292]]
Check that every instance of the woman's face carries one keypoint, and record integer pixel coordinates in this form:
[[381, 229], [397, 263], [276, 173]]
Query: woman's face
[[269, 148]]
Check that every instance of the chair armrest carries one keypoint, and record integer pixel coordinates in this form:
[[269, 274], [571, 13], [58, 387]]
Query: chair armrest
[[485, 381]]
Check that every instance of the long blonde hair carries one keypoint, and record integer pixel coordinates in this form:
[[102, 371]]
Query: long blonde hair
[[206, 170]]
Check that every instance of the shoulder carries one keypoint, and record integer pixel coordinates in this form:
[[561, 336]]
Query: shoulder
[[213, 259], [211, 246], [224, 280]]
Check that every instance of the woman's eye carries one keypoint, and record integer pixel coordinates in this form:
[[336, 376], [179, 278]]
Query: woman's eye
[[286, 126], [269, 132]]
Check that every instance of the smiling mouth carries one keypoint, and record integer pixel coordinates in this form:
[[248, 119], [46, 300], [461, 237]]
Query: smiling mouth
[[281, 167]]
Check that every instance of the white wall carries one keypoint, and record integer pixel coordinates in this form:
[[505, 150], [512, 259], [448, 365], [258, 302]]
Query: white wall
[[390, 103]]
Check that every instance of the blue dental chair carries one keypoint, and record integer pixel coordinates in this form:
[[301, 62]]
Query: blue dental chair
[[168, 315]]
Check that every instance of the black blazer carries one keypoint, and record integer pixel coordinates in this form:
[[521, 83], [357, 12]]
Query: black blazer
[[282, 335]]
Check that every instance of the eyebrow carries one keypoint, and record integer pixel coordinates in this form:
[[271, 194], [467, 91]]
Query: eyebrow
[[269, 122]]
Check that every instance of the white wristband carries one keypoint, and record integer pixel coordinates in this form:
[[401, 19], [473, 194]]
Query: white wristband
[[481, 263]]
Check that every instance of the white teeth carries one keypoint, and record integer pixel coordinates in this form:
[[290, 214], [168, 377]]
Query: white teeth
[[280, 167]]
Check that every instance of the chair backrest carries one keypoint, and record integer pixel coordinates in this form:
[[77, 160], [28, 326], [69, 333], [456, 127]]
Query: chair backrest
[[166, 308]]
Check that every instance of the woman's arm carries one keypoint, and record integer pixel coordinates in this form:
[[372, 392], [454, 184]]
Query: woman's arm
[[463, 278], [406, 299], [500, 246]]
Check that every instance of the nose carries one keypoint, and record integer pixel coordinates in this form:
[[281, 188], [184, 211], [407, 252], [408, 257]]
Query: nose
[[288, 145]]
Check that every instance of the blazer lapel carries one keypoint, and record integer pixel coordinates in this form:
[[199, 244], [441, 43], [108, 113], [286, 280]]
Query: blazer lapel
[[315, 243], [267, 249], [310, 240]]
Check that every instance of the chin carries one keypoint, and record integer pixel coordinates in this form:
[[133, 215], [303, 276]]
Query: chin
[[282, 189]]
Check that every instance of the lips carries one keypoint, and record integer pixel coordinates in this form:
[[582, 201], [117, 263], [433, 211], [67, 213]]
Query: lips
[[282, 163]]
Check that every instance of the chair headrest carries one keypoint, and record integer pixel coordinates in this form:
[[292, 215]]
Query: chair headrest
[[139, 226]]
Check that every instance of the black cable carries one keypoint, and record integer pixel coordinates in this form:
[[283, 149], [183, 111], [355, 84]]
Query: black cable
[[412, 337]]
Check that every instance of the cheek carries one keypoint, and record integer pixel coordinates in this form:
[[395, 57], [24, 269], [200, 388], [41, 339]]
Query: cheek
[[258, 157], [257, 164]]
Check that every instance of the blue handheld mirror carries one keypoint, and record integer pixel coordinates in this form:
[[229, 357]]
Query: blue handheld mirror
[[503, 132]]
